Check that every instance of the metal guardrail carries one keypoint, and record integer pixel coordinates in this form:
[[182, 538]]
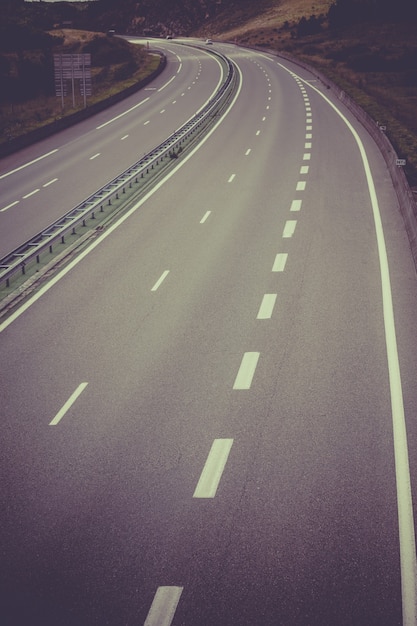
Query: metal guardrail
[[17, 260]]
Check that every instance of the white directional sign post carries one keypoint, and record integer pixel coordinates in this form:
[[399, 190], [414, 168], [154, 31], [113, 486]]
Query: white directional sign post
[[72, 67]]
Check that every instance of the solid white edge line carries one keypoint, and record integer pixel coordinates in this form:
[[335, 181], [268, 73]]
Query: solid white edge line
[[163, 606], [246, 371], [16, 314], [27, 164], [213, 468], [68, 404], [408, 558], [9, 206], [166, 84], [122, 114]]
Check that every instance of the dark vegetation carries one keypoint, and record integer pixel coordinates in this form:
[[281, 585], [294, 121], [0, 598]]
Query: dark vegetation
[[368, 47]]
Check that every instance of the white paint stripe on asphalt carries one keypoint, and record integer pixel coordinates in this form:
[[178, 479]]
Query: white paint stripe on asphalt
[[231, 179], [166, 84], [304, 169], [267, 306], [301, 185], [122, 114], [248, 151], [289, 228], [307, 156], [94, 156], [213, 469], [280, 261], [246, 370], [32, 193], [17, 169], [160, 280], [258, 132], [51, 182], [9, 206], [296, 205], [30, 301], [307, 145], [205, 216], [309, 127], [408, 557], [68, 404], [124, 137], [163, 606]]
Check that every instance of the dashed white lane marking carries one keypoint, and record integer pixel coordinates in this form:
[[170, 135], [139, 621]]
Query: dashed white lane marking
[[267, 306], [304, 169], [248, 151], [122, 114], [296, 205], [213, 468], [147, 122], [309, 136], [258, 132], [306, 156], [163, 111], [160, 280], [9, 206], [51, 182], [68, 404], [289, 228], [307, 145], [17, 169], [231, 179], [32, 193], [94, 156], [309, 127], [163, 606], [124, 137], [205, 216], [246, 370], [301, 185], [280, 261], [264, 118]]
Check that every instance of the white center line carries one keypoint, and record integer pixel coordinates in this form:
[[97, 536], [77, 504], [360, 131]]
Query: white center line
[[309, 127], [94, 156], [280, 261], [203, 219], [289, 228], [301, 185], [124, 137], [160, 280], [213, 468], [296, 205], [30, 194], [9, 206], [146, 123], [306, 156], [68, 404], [246, 370], [163, 111], [307, 145], [51, 182], [309, 136], [248, 151], [231, 179], [163, 606], [258, 132], [304, 169], [267, 306]]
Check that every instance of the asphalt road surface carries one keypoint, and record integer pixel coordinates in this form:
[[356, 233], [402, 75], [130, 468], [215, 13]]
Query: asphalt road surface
[[197, 417]]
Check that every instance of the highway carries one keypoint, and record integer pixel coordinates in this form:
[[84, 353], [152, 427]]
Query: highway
[[199, 415]]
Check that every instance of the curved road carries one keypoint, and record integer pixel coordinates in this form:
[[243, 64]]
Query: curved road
[[197, 424]]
